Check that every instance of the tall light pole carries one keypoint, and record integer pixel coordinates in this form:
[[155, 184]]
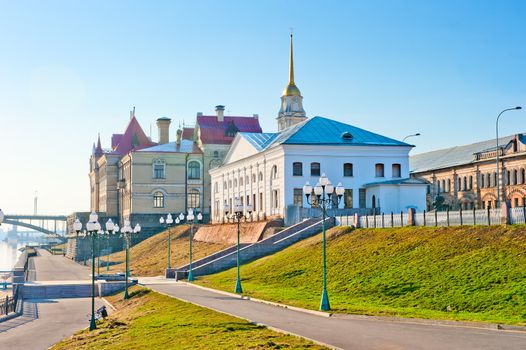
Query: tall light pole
[[412, 135], [191, 218], [238, 214], [324, 191], [127, 231], [497, 149], [167, 224], [111, 228]]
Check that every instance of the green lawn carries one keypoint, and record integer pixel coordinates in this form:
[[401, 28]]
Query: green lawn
[[460, 273], [153, 321]]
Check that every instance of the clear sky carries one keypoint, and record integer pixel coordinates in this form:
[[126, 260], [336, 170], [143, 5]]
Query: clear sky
[[71, 69]]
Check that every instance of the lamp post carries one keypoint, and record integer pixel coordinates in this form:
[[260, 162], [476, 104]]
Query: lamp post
[[126, 232], [93, 227], [167, 223], [412, 135], [237, 214], [111, 229], [497, 149], [324, 191], [192, 219]]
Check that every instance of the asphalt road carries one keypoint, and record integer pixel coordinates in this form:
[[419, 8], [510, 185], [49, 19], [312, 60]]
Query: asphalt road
[[50, 267], [45, 322], [349, 332]]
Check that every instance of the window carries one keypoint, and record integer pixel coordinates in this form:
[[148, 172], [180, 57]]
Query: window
[[438, 186], [362, 197], [158, 169], [253, 177], [347, 169], [247, 179], [482, 181], [495, 180], [298, 197], [379, 170], [516, 202], [470, 182], [241, 181], [276, 199], [216, 188], [216, 154], [194, 199], [449, 185], [397, 172], [297, 169], [514, 177], [373, 201], [444, 189], [224, 185], [347, 198], [274, 172], [229, 183], [158, 200], [261, 201], [459, 184], [194, 170], [260, 176], [314, 169], [488, 180], [522, 176], [235, 182]]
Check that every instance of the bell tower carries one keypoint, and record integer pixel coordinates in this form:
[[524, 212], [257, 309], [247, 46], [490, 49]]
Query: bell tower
[[291, 111]]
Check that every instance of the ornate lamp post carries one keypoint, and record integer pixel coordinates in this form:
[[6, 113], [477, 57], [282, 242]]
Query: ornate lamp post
[[126, 232], [93, 227], [324, 191], [238, 214], [192, 219], [497, 150], [167, 223], [111, 229]]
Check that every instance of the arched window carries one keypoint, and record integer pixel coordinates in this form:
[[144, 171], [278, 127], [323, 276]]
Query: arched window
[[274, 172], [297, 169], [241, 181], [347, 169], [314, 169], [514, 177], [194, 199], [494, 179], [253, 177], [158, 200], [397, 172], [216, 154], [507, 180], [488, 180], [379, 170], [260, 176], [470, 182], [158, 168], [481, 180], [522, 176], [194, 170]]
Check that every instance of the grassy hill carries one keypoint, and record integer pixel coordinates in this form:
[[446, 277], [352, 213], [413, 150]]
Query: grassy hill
[[149, 257], [149, 320], [463, 273]]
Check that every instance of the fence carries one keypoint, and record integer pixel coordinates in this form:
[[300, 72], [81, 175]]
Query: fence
[[515, 215], [8, 305], [295, 214]]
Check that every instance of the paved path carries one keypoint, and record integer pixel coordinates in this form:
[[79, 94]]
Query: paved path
[[48, 321], [45, 322], [348, 333], [50, 267]]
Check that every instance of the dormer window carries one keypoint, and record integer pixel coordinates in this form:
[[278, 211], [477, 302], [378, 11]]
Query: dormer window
[[347, 136], [231, 130]]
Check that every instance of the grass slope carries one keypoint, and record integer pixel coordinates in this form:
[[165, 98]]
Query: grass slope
[[149, 257], [153, 321], [462, 273]]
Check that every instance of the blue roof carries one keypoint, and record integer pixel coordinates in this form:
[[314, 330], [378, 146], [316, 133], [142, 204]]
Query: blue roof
[[404, 181], [320, 131]]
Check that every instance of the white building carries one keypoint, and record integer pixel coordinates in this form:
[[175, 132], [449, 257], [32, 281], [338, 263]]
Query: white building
[[268, 170]]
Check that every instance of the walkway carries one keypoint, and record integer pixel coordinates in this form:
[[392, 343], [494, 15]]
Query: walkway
[[347, 332], [47, 321]]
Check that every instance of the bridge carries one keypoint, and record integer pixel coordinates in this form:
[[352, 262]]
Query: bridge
[[40, 223]]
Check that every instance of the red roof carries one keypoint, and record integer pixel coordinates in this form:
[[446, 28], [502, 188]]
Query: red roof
[[133, 138], [215, 132], [188, 133]]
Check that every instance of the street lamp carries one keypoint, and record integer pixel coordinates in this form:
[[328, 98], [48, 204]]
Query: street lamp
[[93, 227], [1, 217], [192, 219], [497, 149], [167, 223], [324, 191], [412, 135], [126, 232], [238, 213], [111, 229]]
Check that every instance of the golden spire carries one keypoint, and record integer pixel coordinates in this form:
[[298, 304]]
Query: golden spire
[[291, 89], [291, 66]]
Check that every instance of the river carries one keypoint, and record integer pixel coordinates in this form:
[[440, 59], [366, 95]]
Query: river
[[9, 254]]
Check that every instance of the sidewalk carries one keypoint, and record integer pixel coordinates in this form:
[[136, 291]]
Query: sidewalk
[[345, 333]]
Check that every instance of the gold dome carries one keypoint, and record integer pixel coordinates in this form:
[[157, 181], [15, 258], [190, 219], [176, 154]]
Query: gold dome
[[291, 90]]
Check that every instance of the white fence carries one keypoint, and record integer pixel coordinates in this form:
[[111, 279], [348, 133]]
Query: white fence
[[516, 215]]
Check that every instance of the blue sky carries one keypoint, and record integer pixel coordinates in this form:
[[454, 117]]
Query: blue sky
[[71, 69]]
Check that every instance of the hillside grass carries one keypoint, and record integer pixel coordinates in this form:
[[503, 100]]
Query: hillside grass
[[473, 273], [150, 257], [149, 320]]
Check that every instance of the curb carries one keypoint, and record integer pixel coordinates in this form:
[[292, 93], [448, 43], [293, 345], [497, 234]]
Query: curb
[[246, 319]]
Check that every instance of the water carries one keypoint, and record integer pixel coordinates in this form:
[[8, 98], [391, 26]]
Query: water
[[9, 254]]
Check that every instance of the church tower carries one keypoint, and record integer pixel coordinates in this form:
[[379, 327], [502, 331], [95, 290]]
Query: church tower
[[291, 111]]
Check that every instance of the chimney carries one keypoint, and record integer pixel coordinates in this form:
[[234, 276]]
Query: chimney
[[220, 111], [179, 136], [255, 116], [163, 124], [199, 114]]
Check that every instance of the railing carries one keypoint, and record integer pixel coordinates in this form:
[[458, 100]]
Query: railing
[[8, 305], [487, 217]]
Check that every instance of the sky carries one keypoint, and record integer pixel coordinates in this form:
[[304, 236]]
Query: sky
[[70, 70]]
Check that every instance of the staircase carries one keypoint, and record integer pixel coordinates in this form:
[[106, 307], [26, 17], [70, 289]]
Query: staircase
[[227, 258]]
